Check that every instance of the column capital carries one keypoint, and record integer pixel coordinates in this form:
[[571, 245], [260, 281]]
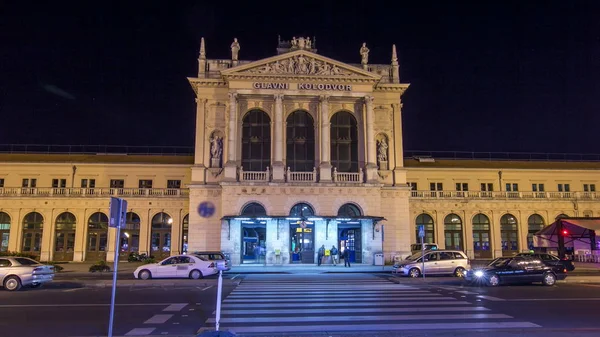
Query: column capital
[[201, 100], [324, 98], [369, 99], [233, 96], [278, 97]]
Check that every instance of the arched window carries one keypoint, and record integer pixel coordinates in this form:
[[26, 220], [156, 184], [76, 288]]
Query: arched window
[[302, 210], [184, 234], [427, 221], [256, 141], [344, 142], [481, 236], [349, 211], [33, 224], [453, 232], [300, 142], [160, 241], [535, 223], [97, 237], [4, 231], [509, 233], [64, 243], [254, 210], [130, 236]]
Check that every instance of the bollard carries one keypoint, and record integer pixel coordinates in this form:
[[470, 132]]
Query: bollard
[[221, 266]]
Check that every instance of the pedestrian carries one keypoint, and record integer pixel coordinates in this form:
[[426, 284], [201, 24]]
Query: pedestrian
[[346, 255], [334, 255], [320, 255]]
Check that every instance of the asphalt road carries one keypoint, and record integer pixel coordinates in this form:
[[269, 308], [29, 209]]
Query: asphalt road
[[314, 304]]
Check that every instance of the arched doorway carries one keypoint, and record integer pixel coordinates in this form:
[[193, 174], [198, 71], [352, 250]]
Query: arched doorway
[[535, 223], [97, 237], [4, 231], [256, 141], [509, 235], [344, 142], [160, 242], [453, 232], [130, 236], [33, 225], [349, 232], [302, 236], [64, 242], [300, 142], [185, 228], [427, 221], [254, 234], [481, 237]]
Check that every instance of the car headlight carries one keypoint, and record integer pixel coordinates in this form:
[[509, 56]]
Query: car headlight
[[478, 273]]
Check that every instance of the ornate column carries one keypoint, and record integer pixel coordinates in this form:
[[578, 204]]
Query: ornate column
[[325, 166], [198, 171], [278, 167], [231, 165], [371, 149]]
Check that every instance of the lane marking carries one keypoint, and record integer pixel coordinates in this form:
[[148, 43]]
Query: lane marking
[[345, 305], [233, 278], [321, 299], [491, 298], [207, 288], [308, 295], [140, 332], [344, 310], [552, 299], [379, 327], [79, 305], [175, 307], [158, 319], [327, 318], [466, 292], [71, 290]]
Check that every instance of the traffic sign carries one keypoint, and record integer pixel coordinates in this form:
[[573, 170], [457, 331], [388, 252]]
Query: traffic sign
[[421, 231], [206, 209], [118, 210]]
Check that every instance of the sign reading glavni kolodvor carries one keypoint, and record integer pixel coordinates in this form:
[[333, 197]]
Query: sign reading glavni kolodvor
[[302, 86]]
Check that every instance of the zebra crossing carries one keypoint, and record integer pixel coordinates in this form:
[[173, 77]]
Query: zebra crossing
[[266, 304]]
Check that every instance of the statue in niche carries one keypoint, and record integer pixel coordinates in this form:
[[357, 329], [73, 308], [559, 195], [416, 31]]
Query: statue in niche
[[216, 150], [382, 147], [364, 53], [235, 49]]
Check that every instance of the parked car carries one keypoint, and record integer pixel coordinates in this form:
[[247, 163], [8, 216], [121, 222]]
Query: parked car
[[518, 269], [184, 266], [552, 260], [16, 272], [214, 256], [417, 247], [436, 262]]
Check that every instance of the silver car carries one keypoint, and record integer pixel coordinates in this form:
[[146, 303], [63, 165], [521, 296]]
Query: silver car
[[16, 272], [436, 262]]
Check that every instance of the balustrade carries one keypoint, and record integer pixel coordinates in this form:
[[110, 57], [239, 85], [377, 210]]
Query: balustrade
[[502, 195], [301, 176], [91, 192], [255, 175], [348, 177]]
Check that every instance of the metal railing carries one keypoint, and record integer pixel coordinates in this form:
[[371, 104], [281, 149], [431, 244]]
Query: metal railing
[[502, 195], [92, 192]]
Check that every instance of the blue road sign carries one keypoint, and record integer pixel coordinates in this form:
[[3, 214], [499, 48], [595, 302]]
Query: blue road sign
[[421, 231], [117, 211], [206, 209]]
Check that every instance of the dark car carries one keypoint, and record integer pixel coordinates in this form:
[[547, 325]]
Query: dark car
[[518, 269], [552, 260]]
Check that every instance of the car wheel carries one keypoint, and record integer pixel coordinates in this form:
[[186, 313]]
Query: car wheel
[[12, 283], [196, 274], [459, 272], [549, 279], [145, 275], [414, 273], [494, 280]]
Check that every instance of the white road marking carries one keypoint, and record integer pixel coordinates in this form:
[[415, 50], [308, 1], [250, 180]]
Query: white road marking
[[158, 319], [233, 278], [140, 332], [345, 310], [345, 305], [80, 305], [327, 318], [377, 299], [552, 299], [466, 292], [491, 298], [71, 290], [207, 288], [380, 327], [175, 307]]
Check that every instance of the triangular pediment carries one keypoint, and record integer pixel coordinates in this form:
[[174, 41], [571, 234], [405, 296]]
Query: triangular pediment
[[300, 63]]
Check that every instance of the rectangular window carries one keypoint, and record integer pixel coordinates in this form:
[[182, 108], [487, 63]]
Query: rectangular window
[[512, 187], [173, 183], [29, 182], [413, 186], [1, 182], [462, 187], [487, 187], [436, 186], [117, 183], [144, 183], [537, 187], [589, 187], [59, 183], [88, 183], [564, 187]]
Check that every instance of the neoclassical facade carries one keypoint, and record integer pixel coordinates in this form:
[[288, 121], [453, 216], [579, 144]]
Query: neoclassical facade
[[292, 152]]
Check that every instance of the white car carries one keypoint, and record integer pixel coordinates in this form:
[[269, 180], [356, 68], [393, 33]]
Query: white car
[[186, 266], [21, 271]]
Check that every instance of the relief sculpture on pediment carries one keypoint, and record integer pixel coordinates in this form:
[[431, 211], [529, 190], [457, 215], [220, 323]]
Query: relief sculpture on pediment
[[300, 65]]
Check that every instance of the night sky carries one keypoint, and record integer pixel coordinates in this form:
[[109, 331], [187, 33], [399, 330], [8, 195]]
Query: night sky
[[520, 76]]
